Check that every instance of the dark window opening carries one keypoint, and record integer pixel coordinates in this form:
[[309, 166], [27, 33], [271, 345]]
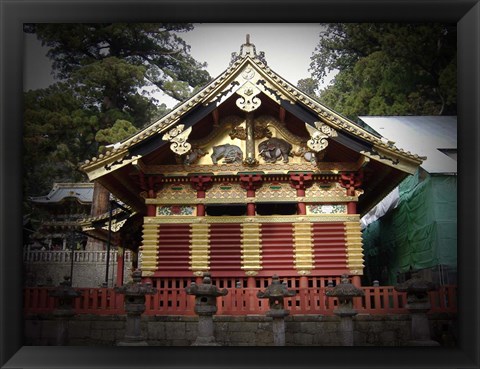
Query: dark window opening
[[283, 208], [222, 210]]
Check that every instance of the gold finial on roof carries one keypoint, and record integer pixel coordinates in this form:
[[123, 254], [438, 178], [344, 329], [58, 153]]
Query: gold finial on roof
[[248, 49]]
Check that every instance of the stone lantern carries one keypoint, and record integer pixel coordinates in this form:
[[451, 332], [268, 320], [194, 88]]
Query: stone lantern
[[275, 293], [135, 293], [345, 292], [205, 306], [418, 305], [65, 297]]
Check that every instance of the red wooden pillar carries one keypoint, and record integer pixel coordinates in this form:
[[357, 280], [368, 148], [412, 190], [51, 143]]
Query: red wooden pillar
[[301, 208], [303, 282], [352, 207], [151, 208], [351, 182], [250, 183], [120, 266], [251, 209], [356, 281], [150, 184], [250, 297], [301, 181], [200, 210], [201, 184]]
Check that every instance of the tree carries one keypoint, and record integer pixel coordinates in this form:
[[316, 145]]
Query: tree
[[388, 68], [58, 132], [111, 63], [105, 70], [108, 74], [119, 131], [309, 86]]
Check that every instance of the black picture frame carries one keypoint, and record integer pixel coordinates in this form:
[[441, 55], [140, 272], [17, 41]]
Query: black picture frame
[[466, 13]]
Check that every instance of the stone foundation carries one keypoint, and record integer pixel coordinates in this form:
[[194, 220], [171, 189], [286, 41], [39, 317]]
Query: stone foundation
[[254, 330]]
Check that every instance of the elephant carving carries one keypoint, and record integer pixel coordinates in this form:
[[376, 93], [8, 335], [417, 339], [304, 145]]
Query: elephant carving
[[273, 149], [229, 153], [193, 156]]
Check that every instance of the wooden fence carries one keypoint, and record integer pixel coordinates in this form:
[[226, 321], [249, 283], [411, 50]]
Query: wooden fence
[[239, 301]]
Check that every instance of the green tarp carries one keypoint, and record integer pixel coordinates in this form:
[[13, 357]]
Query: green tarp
[[421, 232]]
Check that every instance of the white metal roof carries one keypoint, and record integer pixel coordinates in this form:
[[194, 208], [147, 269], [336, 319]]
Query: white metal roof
[[83, 192], [421, 135]]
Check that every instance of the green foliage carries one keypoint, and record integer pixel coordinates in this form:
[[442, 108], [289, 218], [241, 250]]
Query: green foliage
[[309, 86], [388, 69], [120, 130], [58, 132], [133, 54], [109, 64], [108, 73]]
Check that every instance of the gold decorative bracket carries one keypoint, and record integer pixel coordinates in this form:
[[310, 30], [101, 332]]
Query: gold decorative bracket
[[178, 137], [318, 136], [248, 101]]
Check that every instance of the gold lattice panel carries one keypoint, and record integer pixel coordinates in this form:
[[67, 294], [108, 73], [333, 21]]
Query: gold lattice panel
[[174, 191], [226, 191], [327, 192], [276, 190]]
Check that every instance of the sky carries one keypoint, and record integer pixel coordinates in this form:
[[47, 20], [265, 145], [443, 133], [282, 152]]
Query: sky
[[288, 48]]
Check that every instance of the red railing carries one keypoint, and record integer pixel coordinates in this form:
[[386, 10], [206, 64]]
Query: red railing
[[239, 301]]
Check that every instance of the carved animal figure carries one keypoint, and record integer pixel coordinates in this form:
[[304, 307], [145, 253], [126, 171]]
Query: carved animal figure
[[310, 157], [273, 149], [193, 156], [229, 153]]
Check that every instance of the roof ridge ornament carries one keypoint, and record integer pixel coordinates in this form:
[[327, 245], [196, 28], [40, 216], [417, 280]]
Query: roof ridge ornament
[[248, 49]]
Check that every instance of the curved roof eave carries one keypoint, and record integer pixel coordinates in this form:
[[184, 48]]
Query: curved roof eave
[[336, 120]]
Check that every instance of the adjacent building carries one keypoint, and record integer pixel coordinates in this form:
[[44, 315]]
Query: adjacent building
[[415, 227], [57, 216]]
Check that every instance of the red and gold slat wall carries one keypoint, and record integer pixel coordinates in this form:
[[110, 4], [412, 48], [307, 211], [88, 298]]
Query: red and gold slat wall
[[329, 247], [173, 247], [277, 247], [263, 249], [225, 248]]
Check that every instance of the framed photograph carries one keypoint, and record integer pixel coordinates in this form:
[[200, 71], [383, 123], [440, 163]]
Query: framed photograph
[[14, 352]]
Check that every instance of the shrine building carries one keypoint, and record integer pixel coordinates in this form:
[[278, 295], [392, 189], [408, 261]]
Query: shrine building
[[59, 214], [248, 178]]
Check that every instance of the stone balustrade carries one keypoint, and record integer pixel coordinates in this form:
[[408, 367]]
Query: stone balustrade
[[64, 256]]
